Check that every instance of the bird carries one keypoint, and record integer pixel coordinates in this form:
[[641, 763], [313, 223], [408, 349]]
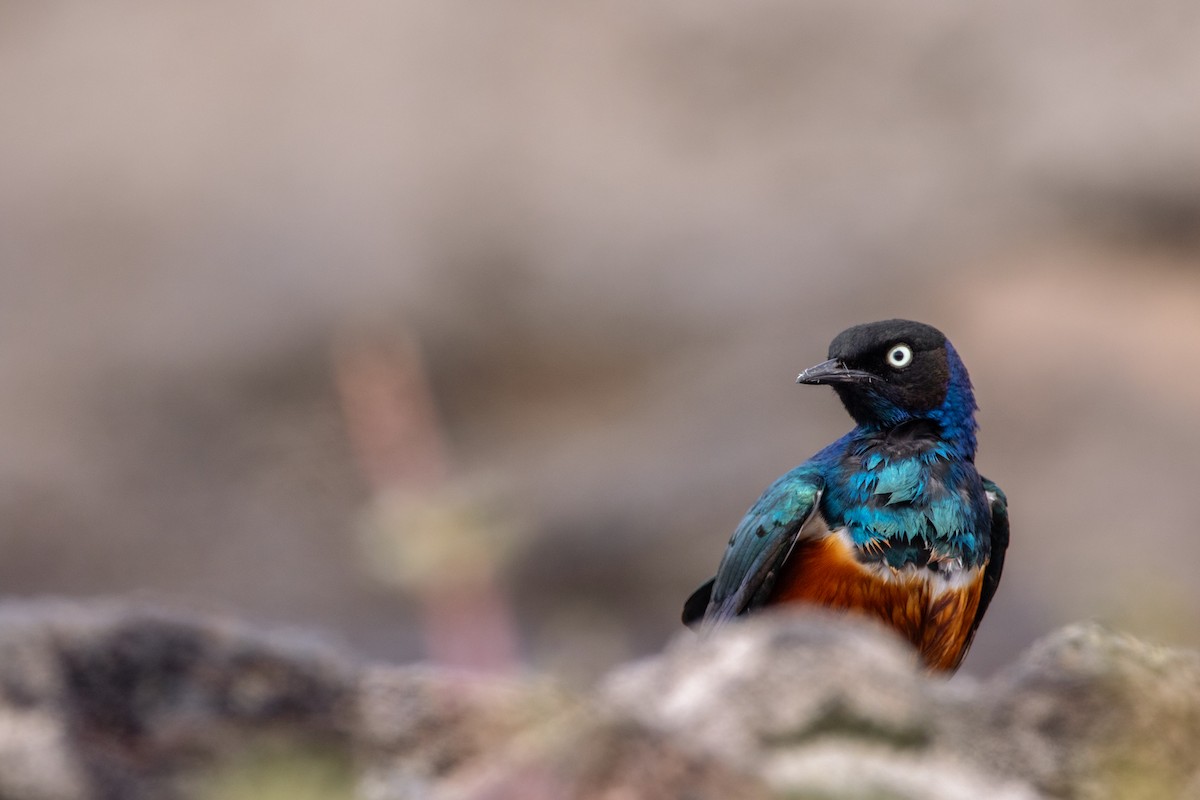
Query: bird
[[892, 520]]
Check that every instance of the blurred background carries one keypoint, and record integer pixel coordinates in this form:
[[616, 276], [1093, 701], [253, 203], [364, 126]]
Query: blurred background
[[467, 331]]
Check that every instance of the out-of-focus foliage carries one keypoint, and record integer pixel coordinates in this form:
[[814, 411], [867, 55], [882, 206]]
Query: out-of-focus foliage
[[281, 774]]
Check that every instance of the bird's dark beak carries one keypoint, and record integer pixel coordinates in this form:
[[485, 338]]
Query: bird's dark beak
[[834, 371]]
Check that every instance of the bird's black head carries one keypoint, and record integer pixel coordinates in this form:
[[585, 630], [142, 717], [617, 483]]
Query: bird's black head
[[892, 371]]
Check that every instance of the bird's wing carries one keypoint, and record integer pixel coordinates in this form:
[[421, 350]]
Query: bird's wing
[[762, 542], [995, 564], [697, 603]]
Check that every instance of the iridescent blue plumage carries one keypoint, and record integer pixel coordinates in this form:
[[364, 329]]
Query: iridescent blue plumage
[[899, 491]]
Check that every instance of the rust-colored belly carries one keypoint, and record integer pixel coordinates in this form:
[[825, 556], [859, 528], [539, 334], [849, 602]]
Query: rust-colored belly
[[936, 620]]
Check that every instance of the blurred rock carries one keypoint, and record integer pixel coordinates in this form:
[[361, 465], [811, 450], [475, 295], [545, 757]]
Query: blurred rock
[[1090, 713], [117, 702], [820, 706], [454, 736], [826, 706]]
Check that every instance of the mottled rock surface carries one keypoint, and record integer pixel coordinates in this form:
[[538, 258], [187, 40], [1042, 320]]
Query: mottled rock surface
[[833, 707], [110, 701]]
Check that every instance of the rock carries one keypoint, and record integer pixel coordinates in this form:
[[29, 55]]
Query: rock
[[831, 706], [437, 735], [819, 705], [112, 701], [1089, 713]]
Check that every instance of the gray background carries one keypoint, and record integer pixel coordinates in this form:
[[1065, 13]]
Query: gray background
[[607, 236]]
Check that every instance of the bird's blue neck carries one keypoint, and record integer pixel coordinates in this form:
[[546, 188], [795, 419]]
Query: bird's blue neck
[[956, 414]]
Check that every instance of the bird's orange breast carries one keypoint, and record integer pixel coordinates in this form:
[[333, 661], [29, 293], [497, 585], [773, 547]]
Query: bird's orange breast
[[937, 618]]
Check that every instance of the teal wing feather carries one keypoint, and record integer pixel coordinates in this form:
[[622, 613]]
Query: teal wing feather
[[762, 542]]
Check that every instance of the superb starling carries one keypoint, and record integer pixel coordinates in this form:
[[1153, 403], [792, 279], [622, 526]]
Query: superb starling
[[892, 519]]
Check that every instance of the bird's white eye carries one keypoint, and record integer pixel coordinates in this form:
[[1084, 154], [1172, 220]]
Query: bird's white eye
[[900, 356]]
